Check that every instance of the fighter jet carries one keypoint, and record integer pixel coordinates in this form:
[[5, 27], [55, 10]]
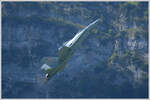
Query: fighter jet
[[53, 65]]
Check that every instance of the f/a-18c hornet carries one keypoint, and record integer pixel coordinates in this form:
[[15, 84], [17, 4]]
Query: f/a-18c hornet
[[53, 65]]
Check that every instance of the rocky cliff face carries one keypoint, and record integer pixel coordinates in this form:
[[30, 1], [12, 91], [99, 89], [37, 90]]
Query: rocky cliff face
[[111, 63]]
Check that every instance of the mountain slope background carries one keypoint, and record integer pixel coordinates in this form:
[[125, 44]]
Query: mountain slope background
[[111, 63]]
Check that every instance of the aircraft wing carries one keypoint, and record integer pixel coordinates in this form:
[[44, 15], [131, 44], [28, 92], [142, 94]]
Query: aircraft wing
[[70, 46], [51, 61], [63, 53], [80, 36]]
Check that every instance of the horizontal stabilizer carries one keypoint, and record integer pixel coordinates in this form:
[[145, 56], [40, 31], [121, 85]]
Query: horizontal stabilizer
[[45, 67]]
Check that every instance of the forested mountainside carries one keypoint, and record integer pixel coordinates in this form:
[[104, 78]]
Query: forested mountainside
[[111, 63]]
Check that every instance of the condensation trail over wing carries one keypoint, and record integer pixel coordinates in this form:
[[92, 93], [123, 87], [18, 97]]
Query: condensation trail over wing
[[72, 41]]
